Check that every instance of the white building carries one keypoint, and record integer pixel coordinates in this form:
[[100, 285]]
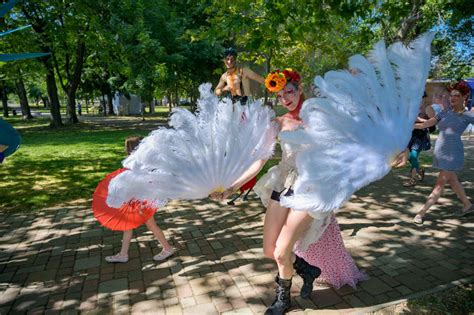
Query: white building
[[127, 106]]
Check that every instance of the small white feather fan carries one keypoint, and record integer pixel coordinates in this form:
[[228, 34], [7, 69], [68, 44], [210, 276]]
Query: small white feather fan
[[200, 154], [363, 120]]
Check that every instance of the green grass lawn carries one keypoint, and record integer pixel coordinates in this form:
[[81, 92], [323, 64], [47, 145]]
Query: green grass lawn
[[93, 110], [54, 166], [457, 300]]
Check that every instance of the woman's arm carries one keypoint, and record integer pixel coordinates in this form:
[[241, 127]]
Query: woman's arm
[[253, 170], [429, 111], [420, 120], [469, 116], [401, 159], [426, 124], [248, 175]]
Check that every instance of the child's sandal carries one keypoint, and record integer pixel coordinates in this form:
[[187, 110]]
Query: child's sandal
[[164, 254], [117, 258], [422, 174], [411, 182], [418, 219]]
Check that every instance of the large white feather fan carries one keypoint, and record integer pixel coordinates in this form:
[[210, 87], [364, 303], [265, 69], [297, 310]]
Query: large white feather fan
[[200, 154], [362, 121]]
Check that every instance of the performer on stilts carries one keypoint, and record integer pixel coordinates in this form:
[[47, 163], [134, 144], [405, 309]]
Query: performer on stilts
[[236, 82]]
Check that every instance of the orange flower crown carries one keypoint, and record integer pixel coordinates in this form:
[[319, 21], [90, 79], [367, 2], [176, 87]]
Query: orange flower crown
[[276, 80], [460, 86]]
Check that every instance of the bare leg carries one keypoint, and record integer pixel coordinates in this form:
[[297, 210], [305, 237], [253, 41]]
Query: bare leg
[[122, 257], [435, 194], [459, 190], [295, 226], [151, 225], [275, 218], [127, 238]]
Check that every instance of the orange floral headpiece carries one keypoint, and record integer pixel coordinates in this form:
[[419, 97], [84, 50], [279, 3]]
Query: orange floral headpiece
[[276, 80], [460, 86]]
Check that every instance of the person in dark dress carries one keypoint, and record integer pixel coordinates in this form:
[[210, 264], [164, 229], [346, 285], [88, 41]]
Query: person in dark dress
[[420, 141]]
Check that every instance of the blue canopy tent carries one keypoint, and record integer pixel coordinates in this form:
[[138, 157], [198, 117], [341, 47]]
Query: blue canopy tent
[[8, 137], [4, 8]]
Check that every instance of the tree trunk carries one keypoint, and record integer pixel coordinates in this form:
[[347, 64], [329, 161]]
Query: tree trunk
[[104, 105], [45, 101], [110, 103], [409, 23], [73, 80], [25, 107], [50, 79], [87, 105], [4, 99], [71, 106], [53, 95], [151, 106]]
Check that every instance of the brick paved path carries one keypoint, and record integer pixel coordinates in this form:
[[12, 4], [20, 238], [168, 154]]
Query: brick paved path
[[53, 261]]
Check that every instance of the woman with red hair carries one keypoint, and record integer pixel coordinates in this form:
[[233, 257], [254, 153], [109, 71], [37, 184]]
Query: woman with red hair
[[449, 149], [283, 226]]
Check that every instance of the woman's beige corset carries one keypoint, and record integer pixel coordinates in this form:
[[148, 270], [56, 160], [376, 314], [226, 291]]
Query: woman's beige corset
[[287, 167]]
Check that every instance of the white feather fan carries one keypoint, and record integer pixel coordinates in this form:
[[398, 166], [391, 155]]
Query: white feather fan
[[201, 153], [363, 120]]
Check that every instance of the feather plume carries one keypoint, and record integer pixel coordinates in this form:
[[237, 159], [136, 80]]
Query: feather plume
[[200, 153], [363, 120]]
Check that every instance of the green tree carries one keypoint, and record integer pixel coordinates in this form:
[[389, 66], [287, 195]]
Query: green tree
[[315, 36], [40, 16]]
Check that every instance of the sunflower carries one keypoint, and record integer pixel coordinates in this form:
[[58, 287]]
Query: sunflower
[[275, 81]]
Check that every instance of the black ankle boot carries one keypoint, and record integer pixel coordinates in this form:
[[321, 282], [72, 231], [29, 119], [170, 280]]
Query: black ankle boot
[[282, 301], [309, 273]]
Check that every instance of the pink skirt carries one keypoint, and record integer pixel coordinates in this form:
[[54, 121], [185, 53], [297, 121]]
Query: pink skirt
[[331, 256]]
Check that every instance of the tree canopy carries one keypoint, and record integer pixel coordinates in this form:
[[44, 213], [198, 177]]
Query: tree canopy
[[157, 48]]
